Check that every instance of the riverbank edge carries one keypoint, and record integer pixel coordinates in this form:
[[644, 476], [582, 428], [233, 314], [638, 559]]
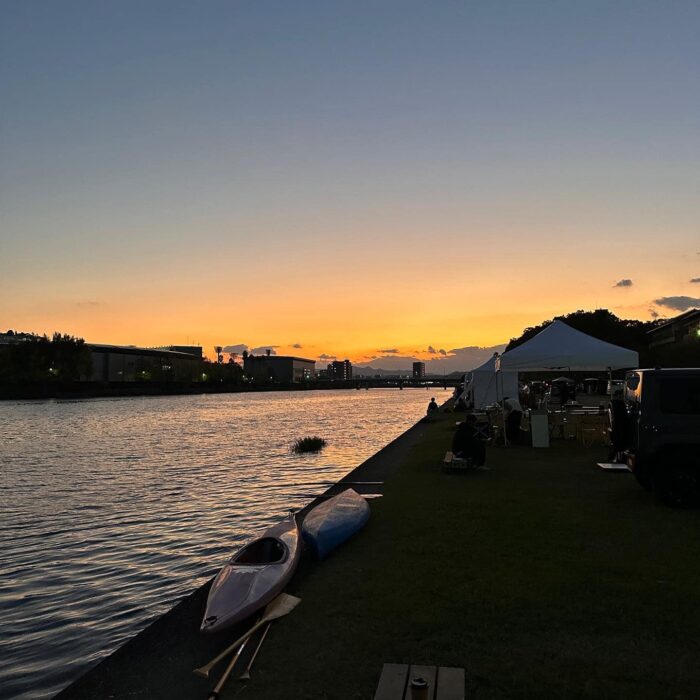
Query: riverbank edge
[[98, 680]]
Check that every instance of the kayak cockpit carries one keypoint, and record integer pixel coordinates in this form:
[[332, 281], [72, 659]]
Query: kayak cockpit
[[266, 550]]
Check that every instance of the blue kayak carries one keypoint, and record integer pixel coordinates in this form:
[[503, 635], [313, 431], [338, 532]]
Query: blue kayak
[[335, 521]]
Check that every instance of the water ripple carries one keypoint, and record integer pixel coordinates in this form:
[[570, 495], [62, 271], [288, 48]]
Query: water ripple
[[113, 509]]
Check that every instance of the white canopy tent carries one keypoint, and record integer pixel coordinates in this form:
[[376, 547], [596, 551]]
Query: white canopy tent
[[561, 347], [486, 386]]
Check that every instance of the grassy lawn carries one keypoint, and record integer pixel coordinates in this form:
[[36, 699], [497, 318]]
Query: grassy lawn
[[543, 577]]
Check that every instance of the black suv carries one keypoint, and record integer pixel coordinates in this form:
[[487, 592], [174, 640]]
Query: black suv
[[661, 430]]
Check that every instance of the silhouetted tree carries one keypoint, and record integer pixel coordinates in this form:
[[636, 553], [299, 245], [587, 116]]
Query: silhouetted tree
[[37, 359]]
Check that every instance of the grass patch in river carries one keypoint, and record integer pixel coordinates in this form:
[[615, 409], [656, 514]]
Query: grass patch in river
[[311, 443]]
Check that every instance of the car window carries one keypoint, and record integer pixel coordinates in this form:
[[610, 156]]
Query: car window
[[680, 395]]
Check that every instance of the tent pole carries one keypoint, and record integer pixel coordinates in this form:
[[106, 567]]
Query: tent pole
[[503, 405]]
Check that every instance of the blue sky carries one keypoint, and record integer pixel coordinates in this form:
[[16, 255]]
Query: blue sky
[[223, 158]]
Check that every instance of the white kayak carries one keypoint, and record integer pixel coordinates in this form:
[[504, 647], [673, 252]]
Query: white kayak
[[335, 521], [253, 576]]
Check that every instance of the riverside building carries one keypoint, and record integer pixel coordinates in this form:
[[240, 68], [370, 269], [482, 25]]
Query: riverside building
[[682, 330], [278, 368], [340, 370], [117, 363]]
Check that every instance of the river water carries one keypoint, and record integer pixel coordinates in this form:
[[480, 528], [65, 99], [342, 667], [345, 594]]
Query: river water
[[113, 509]]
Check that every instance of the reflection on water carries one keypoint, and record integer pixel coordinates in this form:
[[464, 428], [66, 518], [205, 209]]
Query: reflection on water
[[112, 509]]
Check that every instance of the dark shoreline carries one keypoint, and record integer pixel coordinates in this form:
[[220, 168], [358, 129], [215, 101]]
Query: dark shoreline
[[171, 646]]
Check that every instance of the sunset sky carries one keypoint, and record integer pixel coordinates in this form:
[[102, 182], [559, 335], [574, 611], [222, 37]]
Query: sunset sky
[[350, 178]]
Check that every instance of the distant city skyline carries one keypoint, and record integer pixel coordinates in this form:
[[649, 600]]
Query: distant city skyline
[[436, 361], [351, 178]]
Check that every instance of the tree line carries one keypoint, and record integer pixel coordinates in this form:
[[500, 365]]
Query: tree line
[[38, 358]]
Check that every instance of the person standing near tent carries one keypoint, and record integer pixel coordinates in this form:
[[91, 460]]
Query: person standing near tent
[[514, 414], [563, 393], [619, 426]]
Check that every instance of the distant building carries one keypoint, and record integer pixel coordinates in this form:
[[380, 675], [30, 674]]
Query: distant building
[[119, 363], [13, 337], [278, 368], [340, 370], [681, 330], [128, 363], [419, 370]]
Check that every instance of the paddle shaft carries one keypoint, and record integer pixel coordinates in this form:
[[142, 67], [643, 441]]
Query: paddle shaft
[[204, 670], [214, 694], [246, 674]]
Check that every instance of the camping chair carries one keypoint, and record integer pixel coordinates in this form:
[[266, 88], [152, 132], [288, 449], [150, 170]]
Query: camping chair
[[556, 425], [482, 430]]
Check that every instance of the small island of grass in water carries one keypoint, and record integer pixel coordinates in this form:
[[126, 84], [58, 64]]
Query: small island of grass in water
[[308, 444]]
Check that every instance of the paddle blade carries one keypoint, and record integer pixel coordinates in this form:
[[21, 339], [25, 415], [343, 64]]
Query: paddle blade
[[282, 605]]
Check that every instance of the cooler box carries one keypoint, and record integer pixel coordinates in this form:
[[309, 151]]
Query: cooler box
[[539, 428]]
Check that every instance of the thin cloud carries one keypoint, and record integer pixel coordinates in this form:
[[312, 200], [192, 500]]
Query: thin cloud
[[654, 313], [695, 280], [88, 304], [389, 351], [432, 350], [678, 303], [623, 283], [238, 349], [298, 346], [442, 351], [323, 356]]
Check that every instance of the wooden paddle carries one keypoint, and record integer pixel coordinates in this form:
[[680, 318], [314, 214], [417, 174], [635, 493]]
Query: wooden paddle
[[245, 676], [279, 607], [214, 694]]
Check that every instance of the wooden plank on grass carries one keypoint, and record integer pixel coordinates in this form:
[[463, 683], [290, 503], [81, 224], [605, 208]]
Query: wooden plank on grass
[[427, 672], [450, 683], [392, 682], [613, 467]]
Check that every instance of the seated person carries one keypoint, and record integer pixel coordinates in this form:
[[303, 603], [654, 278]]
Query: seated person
[[466, 443], [432, 406]]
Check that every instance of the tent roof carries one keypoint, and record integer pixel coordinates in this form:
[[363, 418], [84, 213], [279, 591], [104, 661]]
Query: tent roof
[[488, 366], [559, 346]]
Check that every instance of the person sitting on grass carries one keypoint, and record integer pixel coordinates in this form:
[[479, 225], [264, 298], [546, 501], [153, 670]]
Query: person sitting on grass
[[466, 443], [432, 406]]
